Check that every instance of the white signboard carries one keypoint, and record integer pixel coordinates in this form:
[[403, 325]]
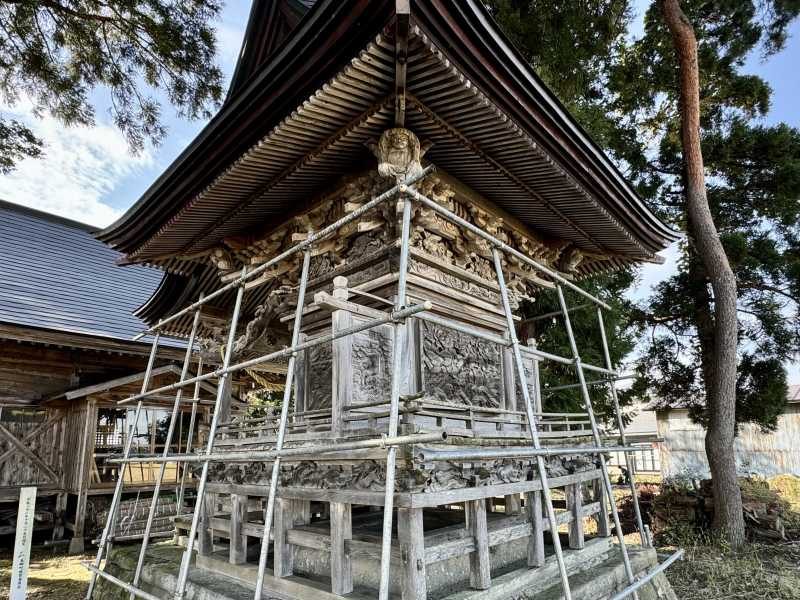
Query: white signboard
[[22, 544]]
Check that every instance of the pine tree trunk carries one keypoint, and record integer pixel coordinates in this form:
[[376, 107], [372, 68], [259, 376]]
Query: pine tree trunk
[[720, 381]]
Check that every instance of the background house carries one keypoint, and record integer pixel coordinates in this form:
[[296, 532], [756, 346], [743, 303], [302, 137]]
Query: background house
[[682, 450]]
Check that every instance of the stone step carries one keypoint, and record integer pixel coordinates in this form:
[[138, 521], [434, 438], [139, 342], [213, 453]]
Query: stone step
[[592, 577]]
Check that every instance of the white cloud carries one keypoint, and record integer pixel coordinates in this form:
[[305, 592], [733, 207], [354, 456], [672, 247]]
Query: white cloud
[[81, 167]]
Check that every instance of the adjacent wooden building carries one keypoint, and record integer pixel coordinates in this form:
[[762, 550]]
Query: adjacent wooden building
[[66, 322]]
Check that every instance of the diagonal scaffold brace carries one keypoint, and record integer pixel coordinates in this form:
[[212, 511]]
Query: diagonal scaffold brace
[[104, 547]]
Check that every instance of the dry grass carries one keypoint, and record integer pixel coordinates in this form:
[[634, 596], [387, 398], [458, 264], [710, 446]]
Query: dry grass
[[709, 572], [51, 574]]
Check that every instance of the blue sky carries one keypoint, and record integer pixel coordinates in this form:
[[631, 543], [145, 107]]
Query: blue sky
[[89, 175]]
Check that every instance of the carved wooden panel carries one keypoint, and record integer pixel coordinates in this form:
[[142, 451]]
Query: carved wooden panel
[[460, 368], [319, 377], [372, 365]]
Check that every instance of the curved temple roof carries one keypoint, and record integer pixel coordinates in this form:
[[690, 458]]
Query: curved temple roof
[[309, 92]]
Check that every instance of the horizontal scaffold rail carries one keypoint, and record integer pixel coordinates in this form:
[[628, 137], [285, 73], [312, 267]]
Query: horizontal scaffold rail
[[394, 317], [476, 454], [251, 455], [311, 240]]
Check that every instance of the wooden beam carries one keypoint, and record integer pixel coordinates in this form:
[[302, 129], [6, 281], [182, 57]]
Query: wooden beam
[[411, 535], [283, 553], [237, 551], [341, 530], [403, 18], [574, 495], [205, 535], [480, 576], [533, 506], [28, 453]]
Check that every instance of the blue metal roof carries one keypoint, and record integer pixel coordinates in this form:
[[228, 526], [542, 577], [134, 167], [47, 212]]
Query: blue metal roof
[[55, 275]]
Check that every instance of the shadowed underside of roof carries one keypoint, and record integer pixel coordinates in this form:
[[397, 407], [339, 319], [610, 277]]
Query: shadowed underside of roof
[[56, 276], [311, 90]]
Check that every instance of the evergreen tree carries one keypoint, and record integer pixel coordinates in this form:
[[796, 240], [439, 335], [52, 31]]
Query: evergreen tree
[[54, 53], [628, 98]]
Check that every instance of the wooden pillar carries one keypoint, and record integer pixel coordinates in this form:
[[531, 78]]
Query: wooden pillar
[[411, 535], [513, 504], [76, 545], [61, 507], [301, 511], [574, 495], [603, 522], [341, 359], [480, 577], [205, 535], [284, 520], [341, 531], [238, 548], [533, 505]]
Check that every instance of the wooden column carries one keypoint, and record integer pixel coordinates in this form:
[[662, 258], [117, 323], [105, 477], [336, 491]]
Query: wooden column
[[301, 511], [341, 359], [61, 508], [76, 545], [205, 535], [238, 547], [574, 495], [411, 535], [284, 520], [341, 531], [513, 504], [480, 577], [533, 505], [603, 522]]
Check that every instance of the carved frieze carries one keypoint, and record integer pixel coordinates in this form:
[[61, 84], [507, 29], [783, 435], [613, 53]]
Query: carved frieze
[[370, 475]]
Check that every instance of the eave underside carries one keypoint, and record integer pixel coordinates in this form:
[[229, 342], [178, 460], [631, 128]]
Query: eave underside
[[472, 140]]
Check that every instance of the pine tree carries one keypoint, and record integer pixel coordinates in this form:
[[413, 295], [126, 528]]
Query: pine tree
[[55, 53]]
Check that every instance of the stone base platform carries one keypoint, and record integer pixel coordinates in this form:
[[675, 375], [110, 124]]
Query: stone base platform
[[596, 572]]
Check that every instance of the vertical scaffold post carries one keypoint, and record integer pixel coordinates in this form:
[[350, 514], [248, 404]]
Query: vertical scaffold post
[[287, 394], [630, 463], [186, 560], [189, 437], [394, 408], [587, 401], [105, 540], [176, 406], [532, 426]]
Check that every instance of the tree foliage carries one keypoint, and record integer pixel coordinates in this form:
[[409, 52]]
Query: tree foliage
[[753, 174], [55, 53], [625, 92]]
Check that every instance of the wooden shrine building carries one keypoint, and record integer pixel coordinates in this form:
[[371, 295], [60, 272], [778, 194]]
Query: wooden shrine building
[[66, 322], [385, 186]]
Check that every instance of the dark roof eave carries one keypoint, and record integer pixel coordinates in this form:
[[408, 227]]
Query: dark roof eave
[[327, 30], [519, 88], [453, 24]]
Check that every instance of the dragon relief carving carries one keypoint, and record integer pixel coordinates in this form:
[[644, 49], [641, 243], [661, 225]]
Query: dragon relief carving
[[460, 368]]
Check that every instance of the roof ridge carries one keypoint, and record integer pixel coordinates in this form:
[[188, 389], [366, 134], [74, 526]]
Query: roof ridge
[[47, 216]]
